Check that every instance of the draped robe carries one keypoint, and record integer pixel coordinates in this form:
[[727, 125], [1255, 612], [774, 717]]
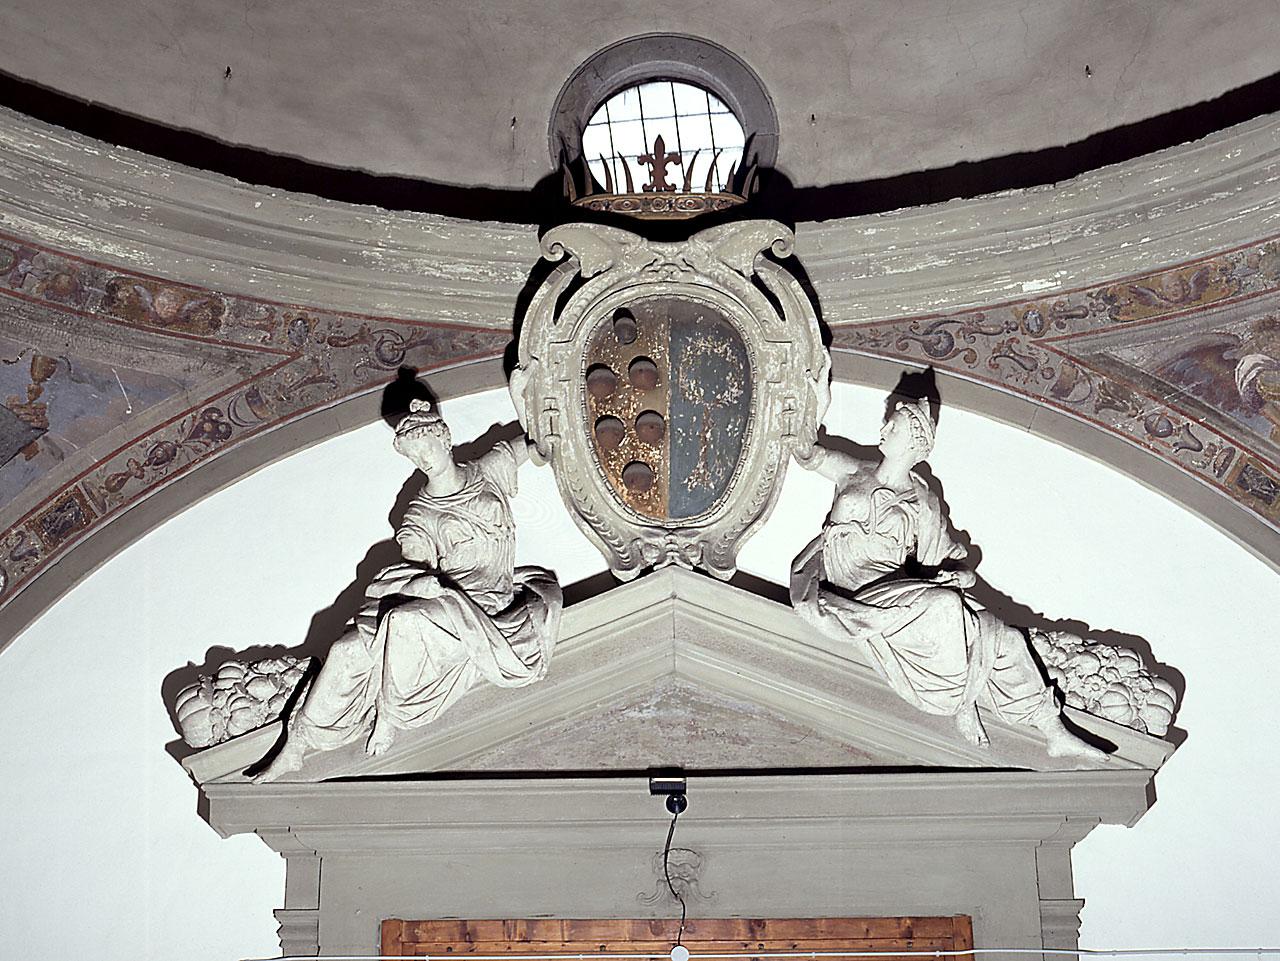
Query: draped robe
[[933, 644], [430, 630]]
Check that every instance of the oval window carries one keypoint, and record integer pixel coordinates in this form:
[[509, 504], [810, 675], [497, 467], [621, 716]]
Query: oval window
[[701, 138]]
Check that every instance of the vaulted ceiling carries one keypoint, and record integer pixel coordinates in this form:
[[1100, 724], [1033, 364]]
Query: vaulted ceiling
[[462, 93]]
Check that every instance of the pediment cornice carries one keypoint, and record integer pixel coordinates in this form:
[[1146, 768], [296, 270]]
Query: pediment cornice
[[732, 654]]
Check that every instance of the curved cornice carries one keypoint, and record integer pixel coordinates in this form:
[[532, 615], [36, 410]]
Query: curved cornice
[[104, 203], [98, 201], [85, 221], [1163, 209]]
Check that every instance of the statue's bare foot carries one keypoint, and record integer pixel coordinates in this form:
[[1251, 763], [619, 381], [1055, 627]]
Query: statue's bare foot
[[381, 738], [1059, 742], [289, 759], [970, 726]]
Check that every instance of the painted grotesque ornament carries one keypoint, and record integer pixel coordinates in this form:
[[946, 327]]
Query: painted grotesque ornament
[[454, 613], [669, 388], [934, 646]]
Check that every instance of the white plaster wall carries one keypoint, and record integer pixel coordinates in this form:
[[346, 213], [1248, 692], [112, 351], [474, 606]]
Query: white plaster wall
[[98, 825]]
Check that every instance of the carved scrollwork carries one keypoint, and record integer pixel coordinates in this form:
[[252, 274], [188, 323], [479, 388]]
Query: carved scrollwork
[[668, 390]]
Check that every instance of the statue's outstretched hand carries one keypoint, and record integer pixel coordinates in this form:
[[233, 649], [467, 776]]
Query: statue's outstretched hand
[[532, 454], [809, 457]]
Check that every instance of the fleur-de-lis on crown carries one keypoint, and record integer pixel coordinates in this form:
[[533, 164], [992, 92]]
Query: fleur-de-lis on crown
[[657, 161]]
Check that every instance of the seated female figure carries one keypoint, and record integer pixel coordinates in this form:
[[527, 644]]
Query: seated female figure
[[932, 643], [455, 612]]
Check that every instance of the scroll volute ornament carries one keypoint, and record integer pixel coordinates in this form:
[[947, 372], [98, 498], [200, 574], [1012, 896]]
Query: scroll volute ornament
[[667, 384]]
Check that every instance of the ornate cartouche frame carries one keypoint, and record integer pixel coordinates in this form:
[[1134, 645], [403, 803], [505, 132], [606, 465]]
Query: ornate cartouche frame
[[739, 269]]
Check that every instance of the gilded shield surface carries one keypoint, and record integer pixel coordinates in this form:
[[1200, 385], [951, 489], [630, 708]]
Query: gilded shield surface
[[668, 392]]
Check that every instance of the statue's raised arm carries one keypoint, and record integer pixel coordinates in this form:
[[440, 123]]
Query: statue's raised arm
[[832, 464], [927, 638], [461, 612]]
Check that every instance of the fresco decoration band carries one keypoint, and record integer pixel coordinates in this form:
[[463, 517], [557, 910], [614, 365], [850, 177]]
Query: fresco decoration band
[[1183, 363], [167, 376], [113, 384]]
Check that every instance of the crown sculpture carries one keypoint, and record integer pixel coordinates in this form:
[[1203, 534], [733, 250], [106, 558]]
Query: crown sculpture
[[667, 195]]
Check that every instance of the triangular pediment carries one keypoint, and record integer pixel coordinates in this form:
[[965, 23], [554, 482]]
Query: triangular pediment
[[673, 723], [679, 669]]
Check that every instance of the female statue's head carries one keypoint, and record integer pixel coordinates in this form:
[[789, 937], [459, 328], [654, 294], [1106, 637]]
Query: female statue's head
[[908, 432], [423, 436]]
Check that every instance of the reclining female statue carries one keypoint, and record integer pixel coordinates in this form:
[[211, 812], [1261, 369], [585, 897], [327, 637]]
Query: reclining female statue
[[933, 645], [455, 612]]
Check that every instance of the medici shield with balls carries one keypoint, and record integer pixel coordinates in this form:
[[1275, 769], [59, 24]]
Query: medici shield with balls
[[667, 384]]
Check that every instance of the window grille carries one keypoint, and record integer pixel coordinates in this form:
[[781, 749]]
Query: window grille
[[692, 123]]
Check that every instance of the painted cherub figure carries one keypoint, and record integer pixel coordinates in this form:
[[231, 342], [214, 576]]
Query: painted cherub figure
[[929, 640], [455, 612]]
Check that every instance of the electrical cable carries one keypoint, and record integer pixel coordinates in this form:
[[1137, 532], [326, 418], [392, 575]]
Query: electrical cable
[[666, 871]]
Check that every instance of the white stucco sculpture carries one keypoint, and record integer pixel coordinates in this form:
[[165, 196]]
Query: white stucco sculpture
[[455, 612], [1107, 681], [238, 697], [928, 639], [668, 384]]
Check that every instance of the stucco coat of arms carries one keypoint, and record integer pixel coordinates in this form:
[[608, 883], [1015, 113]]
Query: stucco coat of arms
[[667, 384]]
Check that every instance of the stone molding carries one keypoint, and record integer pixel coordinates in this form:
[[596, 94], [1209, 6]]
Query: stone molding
[[94, 200], [196, 227], [713, 637], [1060, 923], [299, 931], [1167, 208], [790, 846], [340, 816]]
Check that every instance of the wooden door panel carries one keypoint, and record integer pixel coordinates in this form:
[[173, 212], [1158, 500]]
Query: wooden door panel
[[655, 936]]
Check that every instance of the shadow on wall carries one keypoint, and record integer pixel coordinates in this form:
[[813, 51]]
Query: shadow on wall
[[913, 385], [545, 206], [329, 624]]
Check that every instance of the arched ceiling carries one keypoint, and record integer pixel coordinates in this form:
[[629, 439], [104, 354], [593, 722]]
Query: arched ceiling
[[165, 330], [462, 93]]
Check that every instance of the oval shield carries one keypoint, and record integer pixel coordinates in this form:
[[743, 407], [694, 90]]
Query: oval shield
[[668, 394], [667, 384]]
